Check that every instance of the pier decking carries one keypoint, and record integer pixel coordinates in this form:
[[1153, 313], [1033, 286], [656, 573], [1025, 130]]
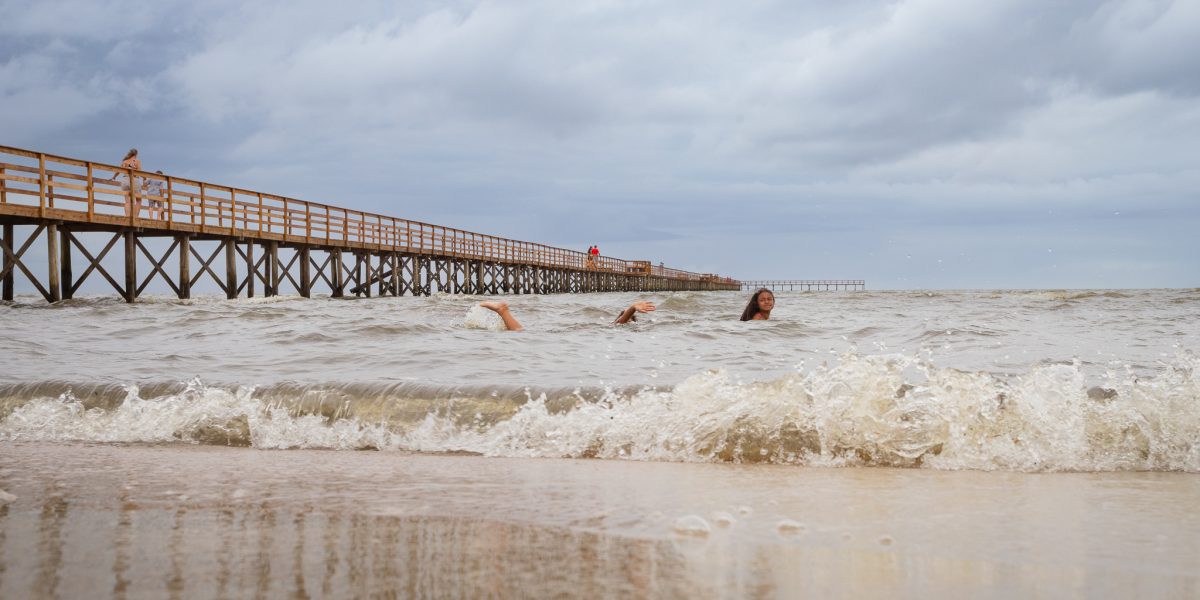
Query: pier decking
[[242, 239], [807, 285]]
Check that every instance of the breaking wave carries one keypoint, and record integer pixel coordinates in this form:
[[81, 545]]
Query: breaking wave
[[865, 410]]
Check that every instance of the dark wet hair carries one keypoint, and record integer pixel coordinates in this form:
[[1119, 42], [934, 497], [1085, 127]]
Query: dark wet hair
[[752, 307], [132, 152]]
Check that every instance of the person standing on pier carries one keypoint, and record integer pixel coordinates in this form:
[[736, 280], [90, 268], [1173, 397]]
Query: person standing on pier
[[760, 305], [131, 161], [152, 190]]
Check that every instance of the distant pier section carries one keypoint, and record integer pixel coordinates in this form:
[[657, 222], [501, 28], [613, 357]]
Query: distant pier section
[[251, 243], [807, 285]]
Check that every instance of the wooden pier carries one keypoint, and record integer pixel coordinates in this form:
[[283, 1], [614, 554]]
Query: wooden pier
[[251, 243], [807, 285]]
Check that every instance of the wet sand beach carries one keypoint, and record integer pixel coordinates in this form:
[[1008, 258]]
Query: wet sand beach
[[187, 521]]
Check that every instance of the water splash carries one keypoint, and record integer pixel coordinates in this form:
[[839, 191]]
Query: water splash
[[890, 410]]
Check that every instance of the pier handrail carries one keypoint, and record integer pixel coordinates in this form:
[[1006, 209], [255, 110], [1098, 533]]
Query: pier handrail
[[51, 186], [804, 282]]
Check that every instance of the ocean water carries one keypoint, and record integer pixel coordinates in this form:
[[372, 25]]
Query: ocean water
[[862, 444], [1028, 381]]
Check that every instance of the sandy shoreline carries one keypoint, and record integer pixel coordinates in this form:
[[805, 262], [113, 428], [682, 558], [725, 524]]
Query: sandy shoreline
[[201, 521]]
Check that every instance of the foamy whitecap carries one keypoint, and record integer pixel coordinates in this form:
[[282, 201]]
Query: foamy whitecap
[[692, 525], [875, 410], [478, 317]]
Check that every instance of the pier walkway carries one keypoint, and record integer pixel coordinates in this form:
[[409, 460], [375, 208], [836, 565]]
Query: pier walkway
[[807, 285], [243, 239]]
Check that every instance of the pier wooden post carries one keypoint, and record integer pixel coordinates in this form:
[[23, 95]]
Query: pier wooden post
[[52, 257], [336, 259], [185, 267], [252, 273], [432, 276], [364, 281], [130, 266], [68, 276], [397, 274], [272, 256], [10, 241], [231, 287], [305, 274], [414, 271]]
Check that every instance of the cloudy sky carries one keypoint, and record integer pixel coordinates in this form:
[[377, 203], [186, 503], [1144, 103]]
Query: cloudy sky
[[911, 143]]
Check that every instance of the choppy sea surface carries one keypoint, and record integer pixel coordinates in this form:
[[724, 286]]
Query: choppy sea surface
[[990, 380]]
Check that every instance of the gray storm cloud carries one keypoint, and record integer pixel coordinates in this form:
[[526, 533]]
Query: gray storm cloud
[[924, 143]]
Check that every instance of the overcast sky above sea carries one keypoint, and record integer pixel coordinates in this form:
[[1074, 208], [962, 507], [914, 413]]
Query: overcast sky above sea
[[914, 144]]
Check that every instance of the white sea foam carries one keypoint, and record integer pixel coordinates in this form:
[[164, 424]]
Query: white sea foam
[[692, 525], [868, 410], [478, 317]]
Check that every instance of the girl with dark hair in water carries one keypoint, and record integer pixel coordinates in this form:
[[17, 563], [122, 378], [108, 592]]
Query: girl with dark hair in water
[[759, 308]]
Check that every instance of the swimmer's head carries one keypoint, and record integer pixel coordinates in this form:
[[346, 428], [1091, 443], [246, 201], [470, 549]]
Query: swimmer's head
[[762, 302]]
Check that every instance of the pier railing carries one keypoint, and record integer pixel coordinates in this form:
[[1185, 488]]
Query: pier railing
[[806, 285], [45, 186]]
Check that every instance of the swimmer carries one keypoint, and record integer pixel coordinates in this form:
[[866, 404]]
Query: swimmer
[[512, 324], [759, 308], [630, 314], [501, 308]]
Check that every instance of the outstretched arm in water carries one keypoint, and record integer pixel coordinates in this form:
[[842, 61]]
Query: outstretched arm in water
[[630, 313], [501, 308], [511, 323]]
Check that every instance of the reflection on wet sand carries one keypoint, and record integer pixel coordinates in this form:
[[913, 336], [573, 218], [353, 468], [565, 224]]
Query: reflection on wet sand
[[359, 557], [176, 522], [50, 524]]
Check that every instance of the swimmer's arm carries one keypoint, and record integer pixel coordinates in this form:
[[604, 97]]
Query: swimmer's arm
[[501, 308], [629, 313]]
